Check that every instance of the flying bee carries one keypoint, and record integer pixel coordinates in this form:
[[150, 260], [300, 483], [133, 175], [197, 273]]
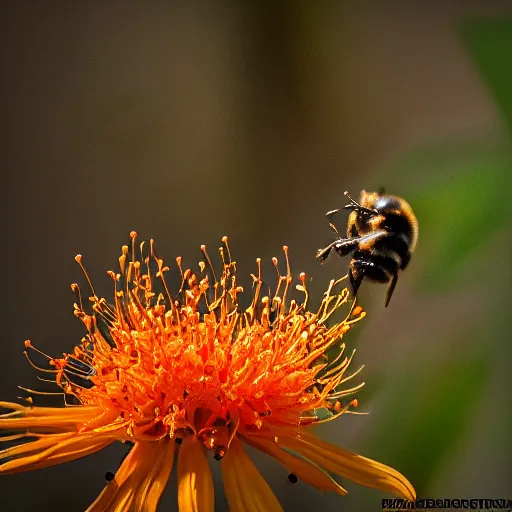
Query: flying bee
[[382, 232]]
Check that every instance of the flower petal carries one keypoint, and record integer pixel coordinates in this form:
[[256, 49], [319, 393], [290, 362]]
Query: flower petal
[[51, 450], [150, 492], [195, 482], [46, 419], [246, 489], [306, 471], [141, 479], [349, 465]]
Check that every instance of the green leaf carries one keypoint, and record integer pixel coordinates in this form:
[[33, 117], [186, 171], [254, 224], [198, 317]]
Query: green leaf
[[490, 44], [426, 418], [459, 216]]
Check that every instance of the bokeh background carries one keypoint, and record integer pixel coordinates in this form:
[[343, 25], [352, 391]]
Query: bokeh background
[[187, 121]]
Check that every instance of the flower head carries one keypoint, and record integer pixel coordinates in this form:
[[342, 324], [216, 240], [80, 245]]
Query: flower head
[[180, 375]]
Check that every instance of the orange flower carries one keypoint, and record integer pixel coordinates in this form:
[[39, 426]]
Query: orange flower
[[191, 374]]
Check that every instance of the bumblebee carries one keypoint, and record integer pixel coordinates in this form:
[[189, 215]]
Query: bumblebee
[[382, 232]]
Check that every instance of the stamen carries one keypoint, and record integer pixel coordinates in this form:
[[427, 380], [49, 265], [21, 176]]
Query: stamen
[[160, 274], [225, 242], [122, 259], [78, 259], [352, 375], [347, 392], [287, 279], [302, 288], [275, 262], [203, 249], [45, 370], [355, 315], [46, 380], [224, 260], [133, 236], [257, 284], [34, 392], [76, 289]]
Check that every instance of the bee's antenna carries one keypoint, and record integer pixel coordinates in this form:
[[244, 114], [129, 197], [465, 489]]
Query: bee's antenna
[[354, 205], [353, 201]]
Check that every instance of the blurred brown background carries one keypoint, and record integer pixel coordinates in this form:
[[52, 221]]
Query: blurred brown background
[[187, 121]]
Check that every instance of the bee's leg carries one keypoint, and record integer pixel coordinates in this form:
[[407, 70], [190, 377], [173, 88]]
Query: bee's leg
[[329, 216], [360, 267], [345, 246], [322, 254], [342, 246], [356, 276], [331, 213], [391, 288]]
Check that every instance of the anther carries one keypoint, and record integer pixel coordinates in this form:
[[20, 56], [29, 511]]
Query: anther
[[357, 311]]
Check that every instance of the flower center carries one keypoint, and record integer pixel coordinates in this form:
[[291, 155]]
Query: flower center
[[197, 364]]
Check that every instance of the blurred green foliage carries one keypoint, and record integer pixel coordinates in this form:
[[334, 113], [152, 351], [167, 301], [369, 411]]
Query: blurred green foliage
[[461, 209], [419, 438], [490, 45]]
